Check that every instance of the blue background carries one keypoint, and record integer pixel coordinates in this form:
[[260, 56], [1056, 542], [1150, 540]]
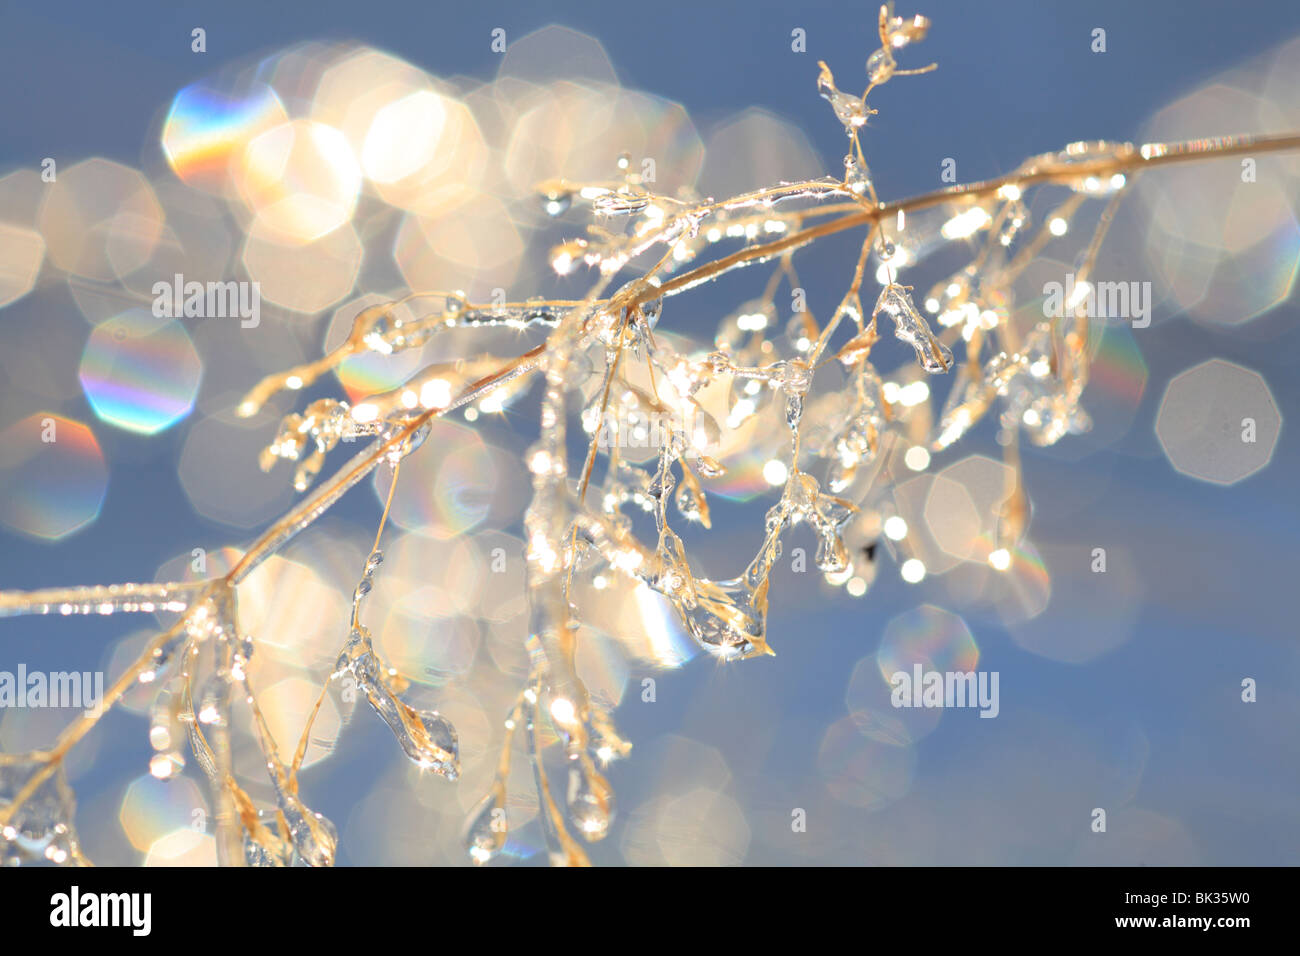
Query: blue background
[[1217, 565]]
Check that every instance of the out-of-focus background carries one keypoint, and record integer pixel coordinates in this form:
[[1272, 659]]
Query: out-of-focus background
[[1119, 690]]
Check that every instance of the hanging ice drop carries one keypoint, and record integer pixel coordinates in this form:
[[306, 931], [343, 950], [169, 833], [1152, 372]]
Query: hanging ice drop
[[896, 302], [590, 802], [487, 827]]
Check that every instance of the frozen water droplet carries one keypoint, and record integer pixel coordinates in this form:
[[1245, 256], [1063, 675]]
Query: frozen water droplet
[[909, 326], [374, 561], [674, 579], [849, 110], [793, 376], [652, 310], [793, 410], [856, 175], [41, 830], [409, 444], [710, 467], [353, 650], [486, 829], [832, 555], [590, 802], [689, 502], [661, 484], [315, 839], [426, 737], [262, 844], [259, 854], [880, 66], [724, 620], [441, 753]]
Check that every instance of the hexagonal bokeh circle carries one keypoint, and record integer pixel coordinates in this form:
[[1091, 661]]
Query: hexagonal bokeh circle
[[1218, 422], [140, 372], [53, 476]]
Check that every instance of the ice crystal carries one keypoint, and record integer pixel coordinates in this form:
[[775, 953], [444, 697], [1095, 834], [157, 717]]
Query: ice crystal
[[660, 414]]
